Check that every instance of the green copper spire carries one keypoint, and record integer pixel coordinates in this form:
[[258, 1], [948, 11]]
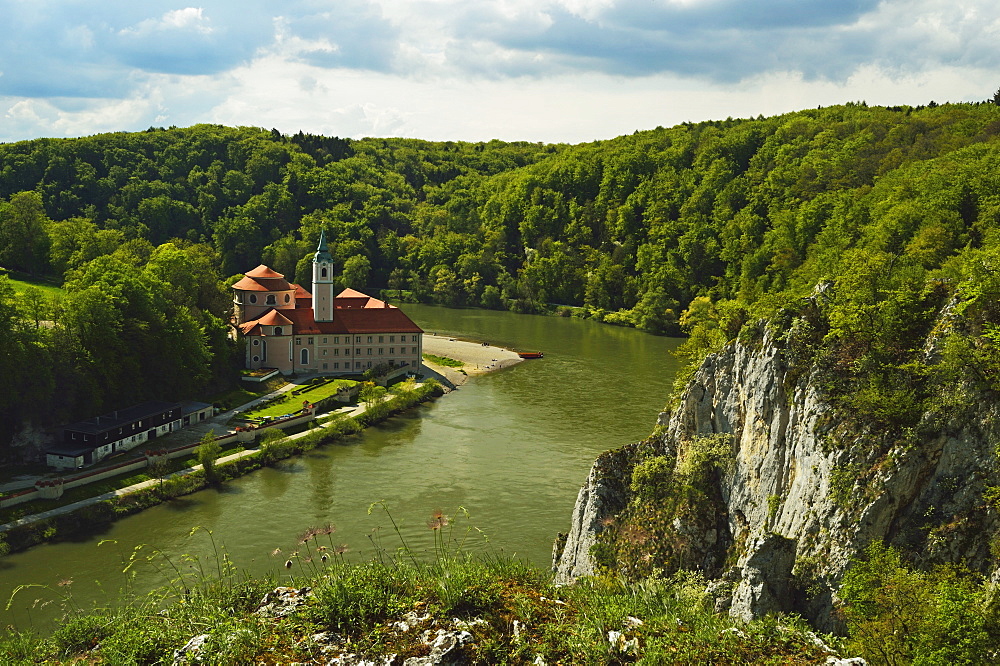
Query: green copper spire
[[322, 253]]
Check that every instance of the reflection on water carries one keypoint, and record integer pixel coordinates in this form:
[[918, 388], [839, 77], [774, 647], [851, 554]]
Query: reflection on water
[[512, 448]]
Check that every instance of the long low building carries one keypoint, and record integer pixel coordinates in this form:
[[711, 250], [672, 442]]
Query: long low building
[[87, 442]]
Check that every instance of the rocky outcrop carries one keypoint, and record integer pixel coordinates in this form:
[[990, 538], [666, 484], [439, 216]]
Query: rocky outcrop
[[604, 494], [806, 486]]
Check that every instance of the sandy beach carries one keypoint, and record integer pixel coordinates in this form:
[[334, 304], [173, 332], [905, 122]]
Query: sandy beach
[[477, 357]]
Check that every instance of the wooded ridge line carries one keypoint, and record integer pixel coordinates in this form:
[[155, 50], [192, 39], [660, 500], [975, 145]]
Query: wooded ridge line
[[698, 229]]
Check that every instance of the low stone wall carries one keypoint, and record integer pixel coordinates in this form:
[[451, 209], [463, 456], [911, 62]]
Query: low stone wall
[[262, 378]]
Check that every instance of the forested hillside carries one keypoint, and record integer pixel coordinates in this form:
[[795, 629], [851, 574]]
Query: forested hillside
[[697, 228]]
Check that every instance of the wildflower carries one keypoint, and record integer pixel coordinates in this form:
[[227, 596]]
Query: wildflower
[[65, 582], [288, 564], [438, 520], [275, 552], [324, 557], [341, 549], [329, 529]]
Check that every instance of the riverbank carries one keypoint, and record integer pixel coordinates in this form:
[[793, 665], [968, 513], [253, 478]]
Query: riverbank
[[78, 517], [477, 357]]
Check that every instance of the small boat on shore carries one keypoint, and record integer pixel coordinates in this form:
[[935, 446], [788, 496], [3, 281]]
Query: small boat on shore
[[530, 354]]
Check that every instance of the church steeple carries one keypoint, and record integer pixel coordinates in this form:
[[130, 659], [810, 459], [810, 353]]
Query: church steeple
[[322, 281]]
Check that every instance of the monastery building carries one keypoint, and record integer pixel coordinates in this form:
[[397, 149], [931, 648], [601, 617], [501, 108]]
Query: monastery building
[[287, 328]]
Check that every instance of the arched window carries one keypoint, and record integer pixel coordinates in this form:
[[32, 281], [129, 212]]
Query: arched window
[[271, 300], [305, 356], [277, 330], [322, 272], [287, 298]]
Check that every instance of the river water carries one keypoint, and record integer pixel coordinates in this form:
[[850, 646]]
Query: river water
[[511, 448]]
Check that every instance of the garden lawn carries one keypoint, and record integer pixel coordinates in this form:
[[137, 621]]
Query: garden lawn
[[289, 404], [246, 393]]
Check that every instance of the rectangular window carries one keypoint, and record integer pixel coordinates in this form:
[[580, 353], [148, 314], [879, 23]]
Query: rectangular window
[[324, 352], [392, 350], [357, 339], [74, 435], [336, 366], [324, 366], [336, 339], [392, 338], [324, 341], [298, 341], [357, 364], [369, 351], [310, 340], [369, 364], [357, 352], [336, 351], [369, 339], [381, 351], [413, 339], [414, 350], [380, 339]]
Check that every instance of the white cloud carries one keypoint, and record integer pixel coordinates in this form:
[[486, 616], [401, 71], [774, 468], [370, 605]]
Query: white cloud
[[189, 18], [560, 70]]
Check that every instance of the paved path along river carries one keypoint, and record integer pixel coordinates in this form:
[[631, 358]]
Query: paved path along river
[[511, 447]]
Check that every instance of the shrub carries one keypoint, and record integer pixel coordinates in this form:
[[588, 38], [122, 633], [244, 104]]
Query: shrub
[[208, 452], [896, 614]]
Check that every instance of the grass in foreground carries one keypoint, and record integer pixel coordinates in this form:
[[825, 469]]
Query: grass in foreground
[[492, 608]]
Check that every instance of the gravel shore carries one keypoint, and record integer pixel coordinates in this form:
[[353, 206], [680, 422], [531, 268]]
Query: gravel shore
[[478, 358]]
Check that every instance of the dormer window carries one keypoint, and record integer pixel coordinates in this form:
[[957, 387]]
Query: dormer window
[[253, 298], [277, 330], [271, 299], [287, 298]]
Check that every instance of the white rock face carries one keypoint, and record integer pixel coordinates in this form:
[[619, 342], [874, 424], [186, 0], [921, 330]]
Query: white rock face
[[803, 471]]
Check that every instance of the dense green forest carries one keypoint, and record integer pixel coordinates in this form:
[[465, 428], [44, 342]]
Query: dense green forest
[[698, 229]]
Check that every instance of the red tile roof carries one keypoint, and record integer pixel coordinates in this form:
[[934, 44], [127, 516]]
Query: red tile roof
[[263, 271], [249, 284], [263, 278], [274, 318], [364, 315], [378, 320]]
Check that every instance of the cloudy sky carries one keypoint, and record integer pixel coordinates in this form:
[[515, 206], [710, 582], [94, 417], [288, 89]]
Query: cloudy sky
[[538, 70]]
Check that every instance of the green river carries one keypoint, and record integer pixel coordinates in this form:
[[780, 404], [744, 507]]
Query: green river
[[512, 448]]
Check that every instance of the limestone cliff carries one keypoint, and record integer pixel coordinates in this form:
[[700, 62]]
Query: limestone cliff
[[798, 488]]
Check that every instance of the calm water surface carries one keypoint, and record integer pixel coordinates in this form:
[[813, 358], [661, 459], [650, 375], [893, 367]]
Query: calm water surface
[[512, 448]]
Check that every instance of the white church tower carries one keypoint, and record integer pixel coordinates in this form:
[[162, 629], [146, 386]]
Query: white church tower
[[322, 291]]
